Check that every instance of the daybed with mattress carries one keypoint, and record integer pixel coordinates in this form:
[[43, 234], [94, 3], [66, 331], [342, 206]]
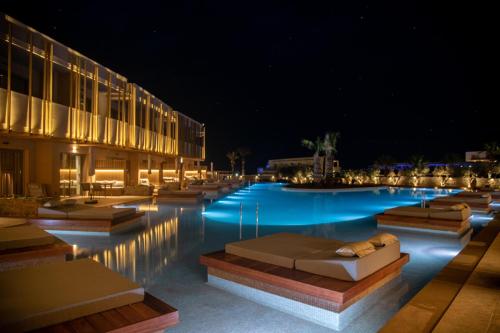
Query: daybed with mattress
[[86, 218], [478, 204], [326, 281], [70, 295], [453, 220], [178, 196], [23, 244]]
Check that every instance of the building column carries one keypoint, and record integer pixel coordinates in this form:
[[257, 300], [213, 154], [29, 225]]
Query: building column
[[47, 162], [134, 168]]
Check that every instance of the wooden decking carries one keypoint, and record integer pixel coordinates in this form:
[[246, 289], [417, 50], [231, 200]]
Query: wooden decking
[[342, 293], [455, 227], [88, 225], [150, 315], [35, 255]]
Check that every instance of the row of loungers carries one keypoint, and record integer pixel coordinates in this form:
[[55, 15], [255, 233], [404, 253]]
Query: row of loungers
[[307, 277], [477, 201], [39, 291], [454, 220], [195, 192]]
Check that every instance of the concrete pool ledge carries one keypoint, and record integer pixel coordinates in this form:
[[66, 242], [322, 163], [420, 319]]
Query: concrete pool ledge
[[334, 190]]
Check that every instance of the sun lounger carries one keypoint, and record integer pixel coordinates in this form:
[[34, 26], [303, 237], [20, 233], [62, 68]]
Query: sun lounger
[[304, 276], [478, 204], [447, 220], [85, 218], [210, 191], [24, 244], [495, 195], [38, 297], [179, 196]]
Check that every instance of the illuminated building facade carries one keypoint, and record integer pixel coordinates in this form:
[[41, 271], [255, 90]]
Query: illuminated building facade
[[66, 120]]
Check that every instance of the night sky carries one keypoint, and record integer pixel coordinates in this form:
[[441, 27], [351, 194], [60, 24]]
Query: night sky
[[394, 78]]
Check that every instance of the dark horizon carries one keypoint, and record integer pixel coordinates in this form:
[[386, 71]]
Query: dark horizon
[[394, 79]]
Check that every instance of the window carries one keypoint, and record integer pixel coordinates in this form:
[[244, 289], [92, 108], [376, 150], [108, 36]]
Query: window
[[115, 98], [138, 107], [37, 76], [4, 48], [89, 93], [61, 85], [103, 99], [20, 70]]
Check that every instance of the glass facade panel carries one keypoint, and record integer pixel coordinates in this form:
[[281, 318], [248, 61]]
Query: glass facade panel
[[89, 93], [4, 48], [61, 85], [103, 100], [115, 98], [37, 76], [20, 70]]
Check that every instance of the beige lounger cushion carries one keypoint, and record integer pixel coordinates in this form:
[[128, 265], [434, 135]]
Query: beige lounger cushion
[[85, 212], [459, 206], [24, 236], [451, 214], [464, 199], [48, 294], [51, 213], [281, 249], [106, 213], [383, 239], [349, 269], [53, 204], [6, 222], [408, 211], [178, 193], [359, 249]]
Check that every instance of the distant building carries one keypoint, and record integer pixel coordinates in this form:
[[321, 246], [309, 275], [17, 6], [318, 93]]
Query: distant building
[[476, 156]]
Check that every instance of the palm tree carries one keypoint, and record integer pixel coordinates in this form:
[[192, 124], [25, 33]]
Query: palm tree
[[317, 147], [492, 150], [243, 152], [233, 157], [384, 162], [418, 170], [330, 148]]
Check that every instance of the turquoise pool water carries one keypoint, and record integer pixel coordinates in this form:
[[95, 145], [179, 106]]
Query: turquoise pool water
[[272, 204], [162, 254]]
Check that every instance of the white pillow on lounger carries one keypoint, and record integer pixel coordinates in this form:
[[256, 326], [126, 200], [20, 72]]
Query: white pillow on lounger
[[52, 204], [383, 239], [459, 206], [359, 249]]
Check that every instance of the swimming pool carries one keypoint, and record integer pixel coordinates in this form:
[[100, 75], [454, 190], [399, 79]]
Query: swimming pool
[[271, 204], [163, 254]]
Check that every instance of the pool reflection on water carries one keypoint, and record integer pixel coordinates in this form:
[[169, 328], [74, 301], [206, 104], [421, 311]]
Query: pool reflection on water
[[162, 255]]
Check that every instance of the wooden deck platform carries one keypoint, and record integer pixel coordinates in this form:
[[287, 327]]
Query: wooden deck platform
[[148, 316], [297, 284], [421, 223], [34, 255], [88, 225]]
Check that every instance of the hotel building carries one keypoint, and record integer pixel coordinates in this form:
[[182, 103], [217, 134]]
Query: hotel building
[[67, 120]]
